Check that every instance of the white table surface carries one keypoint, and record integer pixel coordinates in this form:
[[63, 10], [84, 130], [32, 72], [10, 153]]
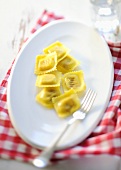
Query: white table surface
[[11, 13]]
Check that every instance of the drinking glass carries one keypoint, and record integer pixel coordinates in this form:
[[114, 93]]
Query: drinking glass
[[106, 16]]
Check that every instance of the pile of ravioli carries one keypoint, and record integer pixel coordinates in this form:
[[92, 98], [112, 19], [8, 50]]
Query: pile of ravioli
[[59, 80]]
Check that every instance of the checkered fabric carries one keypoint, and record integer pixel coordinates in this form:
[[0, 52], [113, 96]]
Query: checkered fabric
[[105, 139]]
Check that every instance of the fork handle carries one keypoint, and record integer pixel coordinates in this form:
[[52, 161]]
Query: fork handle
[[46, 154], [59, 136]]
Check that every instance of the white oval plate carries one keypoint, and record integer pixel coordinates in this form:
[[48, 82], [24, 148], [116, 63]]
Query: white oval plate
[[38, 125]]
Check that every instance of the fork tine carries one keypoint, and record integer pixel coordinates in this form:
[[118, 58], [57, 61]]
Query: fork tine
[[92, 99], [88, 100], [85, 99]]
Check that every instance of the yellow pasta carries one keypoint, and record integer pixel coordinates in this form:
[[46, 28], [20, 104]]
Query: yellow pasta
[[59, 48], [55, 70], [45, 63], [67, 64], [46, 94], [51, 79], [74, 80], [67, 103]]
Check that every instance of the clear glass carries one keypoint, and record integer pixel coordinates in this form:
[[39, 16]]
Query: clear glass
[[106, 15]]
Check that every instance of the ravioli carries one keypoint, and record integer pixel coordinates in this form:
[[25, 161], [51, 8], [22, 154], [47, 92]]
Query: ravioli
[[51, 79], [57, 47], [66, 104], [44, 97], [55, 70], [45, 63], [67, 64], [74, 80]]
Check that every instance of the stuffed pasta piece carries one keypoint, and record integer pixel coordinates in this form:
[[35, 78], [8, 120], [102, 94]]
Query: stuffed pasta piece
[[44, 97], [74, 80], [45, 63], [66, 104], [67, 64], [51, 79], [57, 47]]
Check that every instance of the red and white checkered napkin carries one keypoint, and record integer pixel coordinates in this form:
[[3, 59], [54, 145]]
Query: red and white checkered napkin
[[105, 139]]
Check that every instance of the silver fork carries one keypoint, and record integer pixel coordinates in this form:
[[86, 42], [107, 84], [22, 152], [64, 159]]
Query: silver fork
[[43, 159]]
